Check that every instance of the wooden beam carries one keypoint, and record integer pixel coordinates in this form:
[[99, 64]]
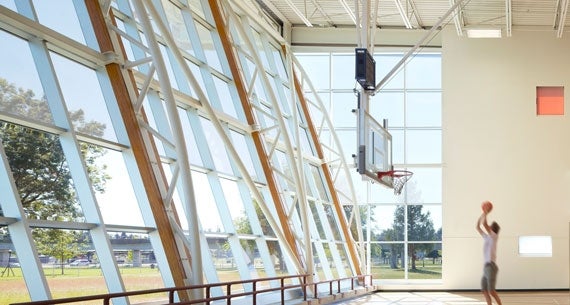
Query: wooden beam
[[136, 138], [241, 87]]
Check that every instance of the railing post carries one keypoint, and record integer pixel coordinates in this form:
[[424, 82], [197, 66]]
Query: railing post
[[304, 287], [330, 287], [338, 286], [208, 294], [254, 292], [282, 291], [228, 294], [315, 291], [351, 284]]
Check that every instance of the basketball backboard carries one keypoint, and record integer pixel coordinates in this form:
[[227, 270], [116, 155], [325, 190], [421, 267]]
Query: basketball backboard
[[374, 148]]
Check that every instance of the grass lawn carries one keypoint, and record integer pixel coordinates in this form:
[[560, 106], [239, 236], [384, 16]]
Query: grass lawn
[[427, 271], [79, 281], [83, 281]]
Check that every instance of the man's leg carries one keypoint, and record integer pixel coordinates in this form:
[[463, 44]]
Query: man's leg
[[496, 296], [487, 297], [492, 277], [485, 287]]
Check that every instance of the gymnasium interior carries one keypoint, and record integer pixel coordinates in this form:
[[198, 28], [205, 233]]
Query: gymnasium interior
[[282, 151]]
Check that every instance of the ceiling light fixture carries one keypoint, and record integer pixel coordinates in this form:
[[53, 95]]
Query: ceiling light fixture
[[484, 33], [299, 13]]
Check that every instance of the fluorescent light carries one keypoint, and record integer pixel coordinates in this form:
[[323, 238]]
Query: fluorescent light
[[483, 33]]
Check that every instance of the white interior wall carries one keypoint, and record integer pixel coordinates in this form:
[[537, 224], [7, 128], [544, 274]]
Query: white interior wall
[[496, 148]]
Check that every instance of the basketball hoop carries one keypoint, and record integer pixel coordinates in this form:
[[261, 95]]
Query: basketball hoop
[[399, 178]]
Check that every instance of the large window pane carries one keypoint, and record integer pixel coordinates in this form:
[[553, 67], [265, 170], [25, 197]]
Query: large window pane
[[12, 284], [21, 91], [209, 46], [384, 64], [69, 253], [423, 109], [387, 260], [316, 67], [343, 71], [208, 212], [41, 173], [118, 203], [178, 27], [416, 72], [387, 223], [137, 263], [226, 98], [420, 224], [217, 147], [425, 186], [61, 17], [389, 106], [84, 99], [341, 109], [425, 261], [423, 146]]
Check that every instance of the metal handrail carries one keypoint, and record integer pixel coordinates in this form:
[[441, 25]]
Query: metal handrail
[[106, 298], [330, 283]]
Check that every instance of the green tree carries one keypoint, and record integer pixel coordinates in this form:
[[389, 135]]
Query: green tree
[[61, 244], [419, 228], [38, 164]]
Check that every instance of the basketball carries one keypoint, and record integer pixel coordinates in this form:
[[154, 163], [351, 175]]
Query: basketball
[[486, 206]]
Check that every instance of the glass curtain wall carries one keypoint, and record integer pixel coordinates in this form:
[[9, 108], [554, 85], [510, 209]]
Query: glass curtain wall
[[75, 198], [403, 232]]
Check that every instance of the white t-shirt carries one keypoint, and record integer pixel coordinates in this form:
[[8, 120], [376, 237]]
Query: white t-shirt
[[490, 247]]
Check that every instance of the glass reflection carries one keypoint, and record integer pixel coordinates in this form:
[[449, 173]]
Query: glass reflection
[[41, 174], [21, 91], [83, 96]]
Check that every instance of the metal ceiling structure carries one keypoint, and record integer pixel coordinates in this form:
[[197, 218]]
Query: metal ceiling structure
[[506, 15]]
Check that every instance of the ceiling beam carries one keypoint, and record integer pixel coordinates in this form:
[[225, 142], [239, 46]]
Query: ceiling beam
[[403, 14], [457, 18], [348, 10], [508, 17], [299, 13], [561, 11], [323, 13], [415, 13]]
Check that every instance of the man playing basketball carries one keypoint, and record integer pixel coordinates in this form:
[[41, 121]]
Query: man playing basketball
[[490, 236]]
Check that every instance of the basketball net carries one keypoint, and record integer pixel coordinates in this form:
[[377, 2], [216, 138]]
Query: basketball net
[[399, 179]]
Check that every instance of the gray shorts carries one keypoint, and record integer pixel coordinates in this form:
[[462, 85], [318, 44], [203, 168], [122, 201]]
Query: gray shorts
[[489, 279]]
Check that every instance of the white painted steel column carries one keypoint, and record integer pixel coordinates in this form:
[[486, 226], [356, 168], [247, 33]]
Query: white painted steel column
[[196, 274], [300, 181]]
